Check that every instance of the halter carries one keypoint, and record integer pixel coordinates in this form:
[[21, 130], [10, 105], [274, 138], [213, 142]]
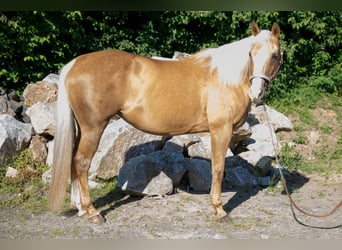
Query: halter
[[265, 77], [262, 76], [263, 87]]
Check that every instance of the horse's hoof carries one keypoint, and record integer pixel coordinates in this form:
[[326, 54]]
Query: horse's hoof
[[225, 219], [97, 219], [221, 215]]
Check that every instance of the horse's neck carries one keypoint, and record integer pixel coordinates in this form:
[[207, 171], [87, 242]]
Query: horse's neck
[[234, 60]]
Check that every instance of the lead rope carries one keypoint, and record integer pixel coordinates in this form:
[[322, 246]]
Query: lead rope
[[292, 203]]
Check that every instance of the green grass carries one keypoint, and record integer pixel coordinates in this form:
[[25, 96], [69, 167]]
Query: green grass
[[326, 128], [292, 159], [299, 139], [27, 189], [299, 104]]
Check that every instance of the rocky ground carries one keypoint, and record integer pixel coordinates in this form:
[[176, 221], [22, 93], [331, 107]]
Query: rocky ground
[[255, 214]]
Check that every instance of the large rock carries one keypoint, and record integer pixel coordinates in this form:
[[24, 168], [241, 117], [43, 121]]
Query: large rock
[[199, 175], [51, 78], [14, 136], [153, 174], [262, 164], [43, 117], [240, 134], [199, 145], [10, 106], [40, 92], [159, 172], [181, 143], [278, 121], [5, 106], [239, 177], [261, 141], [119, 143], [37, 148], [202, 148]]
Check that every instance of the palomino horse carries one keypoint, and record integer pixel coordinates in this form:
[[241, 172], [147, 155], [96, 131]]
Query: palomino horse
[[210, 91]]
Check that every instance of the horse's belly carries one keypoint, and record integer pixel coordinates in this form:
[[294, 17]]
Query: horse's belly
[[163, 100], [162, 122]]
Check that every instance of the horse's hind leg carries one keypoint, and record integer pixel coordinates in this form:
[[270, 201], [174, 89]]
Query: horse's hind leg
[[88, 143]]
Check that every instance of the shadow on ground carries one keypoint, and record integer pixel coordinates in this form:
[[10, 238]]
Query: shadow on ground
[[114, 198]]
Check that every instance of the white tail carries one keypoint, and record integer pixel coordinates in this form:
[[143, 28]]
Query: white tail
[[63, 147]]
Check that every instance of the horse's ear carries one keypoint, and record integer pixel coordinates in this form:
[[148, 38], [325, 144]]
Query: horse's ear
[[276, 30], [255, 28]]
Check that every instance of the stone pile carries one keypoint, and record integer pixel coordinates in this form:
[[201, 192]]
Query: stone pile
[[28, 121]]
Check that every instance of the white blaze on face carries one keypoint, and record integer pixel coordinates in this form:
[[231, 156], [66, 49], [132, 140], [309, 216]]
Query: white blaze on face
[[256, 89], [259, 61]]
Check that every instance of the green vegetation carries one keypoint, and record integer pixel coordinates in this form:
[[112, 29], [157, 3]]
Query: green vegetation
[[323, 115], [292, 158], [27, 188], [36, 43]]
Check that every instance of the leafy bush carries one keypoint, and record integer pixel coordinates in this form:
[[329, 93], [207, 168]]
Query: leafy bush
[[330, 83], [35, 43]]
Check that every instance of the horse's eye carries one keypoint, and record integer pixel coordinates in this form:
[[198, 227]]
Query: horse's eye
[[275, 56]]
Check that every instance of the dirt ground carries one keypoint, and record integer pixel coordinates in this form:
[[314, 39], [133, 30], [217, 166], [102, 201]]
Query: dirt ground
[[255, 214]]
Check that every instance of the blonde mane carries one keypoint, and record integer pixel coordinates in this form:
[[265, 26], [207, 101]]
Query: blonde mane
[[231, 60]]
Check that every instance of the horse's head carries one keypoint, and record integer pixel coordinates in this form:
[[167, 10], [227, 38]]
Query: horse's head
[[266, 57]]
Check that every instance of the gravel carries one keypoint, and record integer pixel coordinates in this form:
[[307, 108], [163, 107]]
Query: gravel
[[255, 214]]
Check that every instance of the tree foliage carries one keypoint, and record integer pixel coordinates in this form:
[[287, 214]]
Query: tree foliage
[[36, 43]]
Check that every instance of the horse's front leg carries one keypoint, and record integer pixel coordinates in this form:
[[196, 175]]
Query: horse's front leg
[[220, 139]]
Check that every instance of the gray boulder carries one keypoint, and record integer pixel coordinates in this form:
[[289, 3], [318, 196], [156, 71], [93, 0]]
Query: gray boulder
[[51, 78], [261, 140], [43, 117], [278, 121], [262, 164], [14, 136], [119, 143], [201, 148], [153, 174], [239, 177], [199, 175]]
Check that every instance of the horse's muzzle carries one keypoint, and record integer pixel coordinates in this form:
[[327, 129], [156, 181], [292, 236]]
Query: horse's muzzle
[[257, 92]]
